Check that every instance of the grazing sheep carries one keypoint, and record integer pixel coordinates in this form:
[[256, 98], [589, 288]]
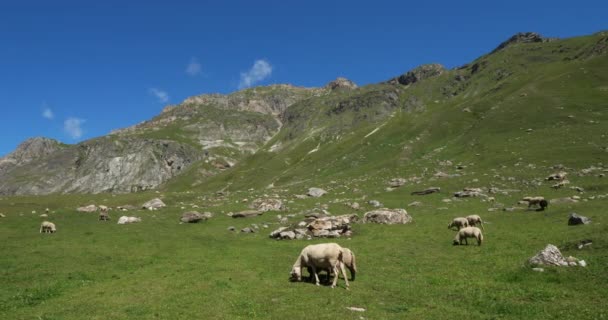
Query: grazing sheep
[[543, 204], [317, 257], [104, 216], [459, 223], [349, 261], [474, 220], [469, 232], [533, 201], [47, 227]]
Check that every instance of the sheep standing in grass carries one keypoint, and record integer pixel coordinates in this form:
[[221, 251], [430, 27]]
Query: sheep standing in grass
[[474, 220], [103, 213], [468, 232], [536, 201], [348, 258], [459, 223], [317, 257], [47, 227]]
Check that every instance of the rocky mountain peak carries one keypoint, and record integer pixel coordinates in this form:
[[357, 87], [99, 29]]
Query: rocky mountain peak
[[419, 73], [522, 37], [29, 150], [341, 83]]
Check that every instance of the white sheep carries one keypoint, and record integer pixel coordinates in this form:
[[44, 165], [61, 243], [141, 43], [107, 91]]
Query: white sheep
[[459, 223], [317, 257], [474, 220], [536, 201], [47, 227], [468, 232], [348, 258]]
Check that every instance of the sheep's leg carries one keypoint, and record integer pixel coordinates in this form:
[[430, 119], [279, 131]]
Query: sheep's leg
[[466, 241], [314, 271], [343, 274]]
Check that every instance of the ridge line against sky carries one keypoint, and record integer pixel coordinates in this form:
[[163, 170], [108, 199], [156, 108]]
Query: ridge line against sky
[[72, 71]]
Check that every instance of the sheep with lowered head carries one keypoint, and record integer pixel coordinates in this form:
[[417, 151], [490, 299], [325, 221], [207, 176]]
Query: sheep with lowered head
[[320, 256], [459, 223], [468, 232], [348, 258], [474, 220], [47, 227]]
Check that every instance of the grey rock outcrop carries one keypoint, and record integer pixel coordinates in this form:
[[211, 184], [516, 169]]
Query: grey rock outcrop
[[322, 227], [522, 37], [264, 205], [575, 219], [548, 256], [341, 84], [419, 73], [192, 217], [387, 216]]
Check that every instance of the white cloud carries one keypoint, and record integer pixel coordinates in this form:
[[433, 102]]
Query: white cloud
[[194, 67], [260, 70], [73, 127], [48, 113], [161, 95]]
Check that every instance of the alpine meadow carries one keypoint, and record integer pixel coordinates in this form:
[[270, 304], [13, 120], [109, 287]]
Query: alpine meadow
[[380, 169]]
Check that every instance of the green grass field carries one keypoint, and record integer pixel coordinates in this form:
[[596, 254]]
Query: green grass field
[[160, 269]]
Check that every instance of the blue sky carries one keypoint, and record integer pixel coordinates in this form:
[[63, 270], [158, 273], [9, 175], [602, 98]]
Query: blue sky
[[74, 70]]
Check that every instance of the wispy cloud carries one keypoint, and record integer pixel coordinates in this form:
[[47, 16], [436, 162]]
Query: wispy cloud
[[161, 95], [73, 127], [48, 113], [260, 70], [194, 67]]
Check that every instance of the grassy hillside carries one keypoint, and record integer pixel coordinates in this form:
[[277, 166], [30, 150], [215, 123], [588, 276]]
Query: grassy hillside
[[505, 121]]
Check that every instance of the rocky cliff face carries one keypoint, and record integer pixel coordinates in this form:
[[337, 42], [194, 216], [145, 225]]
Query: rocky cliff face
[[219, 129], [100, 165], [419, 73]]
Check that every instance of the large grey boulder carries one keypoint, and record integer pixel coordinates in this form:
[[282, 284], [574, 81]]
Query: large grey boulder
[[575, 219], [154, 204], [316, 192], [192, 217], [550, 256], [387, 216]]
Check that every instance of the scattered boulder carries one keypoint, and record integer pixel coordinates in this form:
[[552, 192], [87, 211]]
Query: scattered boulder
[[89, 208], [192, 217], [247, 230], [247, 214], [375, 203], [415, 204], [584, 243], [126, 207], [559, 176], [231, 228], [153, 204], [387, 216], [469, 192], [575, 219], [396, 182], [316, 192], [426, 191], [550, 256], [264, 205], [287, 235], [354, 205], [126, 220]]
